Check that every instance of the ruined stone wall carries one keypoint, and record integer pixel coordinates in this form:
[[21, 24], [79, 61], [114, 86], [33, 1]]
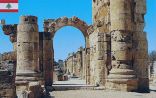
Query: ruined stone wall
[[75, 64], [100, 11], [9, 56], [7, 79], [69, 64], [140, 46], [79, 64], [8, 64], [116, 46]]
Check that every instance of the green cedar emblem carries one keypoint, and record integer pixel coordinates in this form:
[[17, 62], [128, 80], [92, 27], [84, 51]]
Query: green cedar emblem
[[8, 6]]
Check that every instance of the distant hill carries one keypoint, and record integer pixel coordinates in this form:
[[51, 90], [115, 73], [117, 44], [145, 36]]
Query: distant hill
[[0, 57]]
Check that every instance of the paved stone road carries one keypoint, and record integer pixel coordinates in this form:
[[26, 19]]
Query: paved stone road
[[100, 94]]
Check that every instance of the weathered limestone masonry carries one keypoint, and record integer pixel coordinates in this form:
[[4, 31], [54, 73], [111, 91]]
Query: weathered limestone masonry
[[123, 21], [115, 56], [100, 47], [27, 52], [7, 78], [9, 56], [52, 25], [140, 46], [47, 58], [78, 65], [84, 64], [70, 63], [122, 75], [75, 63]]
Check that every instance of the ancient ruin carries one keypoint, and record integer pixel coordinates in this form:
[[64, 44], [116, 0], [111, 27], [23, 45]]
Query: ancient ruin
[[75, 64], [115, 56]]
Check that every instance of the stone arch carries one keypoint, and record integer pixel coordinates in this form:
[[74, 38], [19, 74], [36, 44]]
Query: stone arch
[[53, 25]]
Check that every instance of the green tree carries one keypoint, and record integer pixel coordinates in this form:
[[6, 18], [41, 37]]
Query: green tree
[[8, 6]]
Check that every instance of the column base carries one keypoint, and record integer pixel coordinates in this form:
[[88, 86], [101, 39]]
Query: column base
[[30, 90], [122, 80], [122, 84], [23, 79]]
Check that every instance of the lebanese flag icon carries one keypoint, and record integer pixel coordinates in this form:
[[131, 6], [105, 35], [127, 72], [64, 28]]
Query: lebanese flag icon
[[8, 5]]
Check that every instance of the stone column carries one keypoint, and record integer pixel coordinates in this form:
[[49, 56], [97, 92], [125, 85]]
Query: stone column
[[86, 58], [100, 70], [84, 64], [48, 54], [88, 81], [122, 75], [27, 49]]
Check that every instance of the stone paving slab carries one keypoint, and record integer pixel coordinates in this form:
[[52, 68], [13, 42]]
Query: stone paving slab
[[96, 93], [100, 94]]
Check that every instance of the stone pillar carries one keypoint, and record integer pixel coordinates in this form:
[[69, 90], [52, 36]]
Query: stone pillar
[[140, 46], [100, 69], [88, 81], [141, 61], [84, 64], [27, 50], [48, 54], [101, 19], [41, 52], [122, 75]]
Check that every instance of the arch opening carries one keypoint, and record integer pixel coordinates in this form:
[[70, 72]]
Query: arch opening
[[68, 55]]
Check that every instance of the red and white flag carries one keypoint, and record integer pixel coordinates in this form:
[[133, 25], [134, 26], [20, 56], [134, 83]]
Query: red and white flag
[[8, 5]]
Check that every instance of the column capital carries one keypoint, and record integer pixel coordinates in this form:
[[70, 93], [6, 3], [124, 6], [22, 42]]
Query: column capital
[[11, 31]]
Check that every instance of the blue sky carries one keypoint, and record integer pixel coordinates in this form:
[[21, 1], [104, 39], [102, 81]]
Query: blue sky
[[67, 39]]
